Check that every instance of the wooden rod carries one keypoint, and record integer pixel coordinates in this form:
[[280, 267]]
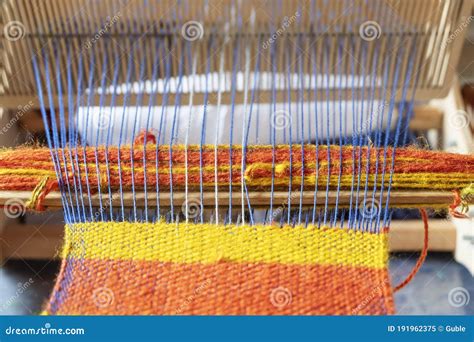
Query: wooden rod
[[25, 241], [407, 235], [257, 199], [13, 101]]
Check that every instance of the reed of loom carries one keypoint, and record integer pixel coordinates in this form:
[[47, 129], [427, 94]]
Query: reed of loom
[[261, 148]]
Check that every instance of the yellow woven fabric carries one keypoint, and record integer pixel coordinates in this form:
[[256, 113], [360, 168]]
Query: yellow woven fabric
[[209, 243]]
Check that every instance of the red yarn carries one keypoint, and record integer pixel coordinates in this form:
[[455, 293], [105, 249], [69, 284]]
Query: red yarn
[[456, 203], [145, 137], [421, 259]]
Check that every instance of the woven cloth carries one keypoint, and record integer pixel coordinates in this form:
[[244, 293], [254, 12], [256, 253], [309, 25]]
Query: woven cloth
[[205, 269]]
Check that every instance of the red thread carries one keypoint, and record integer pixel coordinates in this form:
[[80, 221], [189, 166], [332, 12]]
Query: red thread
[[421, 259], [145, 137], [456, 203]]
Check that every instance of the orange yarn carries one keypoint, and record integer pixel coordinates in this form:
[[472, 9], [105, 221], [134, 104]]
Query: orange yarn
[[423, 254], [51, 184], [456, 203], [145, 137], [23, 168]]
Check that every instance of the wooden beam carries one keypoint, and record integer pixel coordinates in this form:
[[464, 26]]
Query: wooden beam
[[265, 96], [25, 241], [426, 117], [256, 198], [407, 235]]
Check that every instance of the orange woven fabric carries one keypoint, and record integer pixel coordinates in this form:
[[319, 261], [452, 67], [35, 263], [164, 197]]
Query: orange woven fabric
[[24, 168], [154, 288]]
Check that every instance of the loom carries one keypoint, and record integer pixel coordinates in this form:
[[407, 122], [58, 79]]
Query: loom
[[229, 157]]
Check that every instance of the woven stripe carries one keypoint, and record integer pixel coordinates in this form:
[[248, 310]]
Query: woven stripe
[[208, 243], [20, 169], [409, 181], [399, 181], [225, 288]]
